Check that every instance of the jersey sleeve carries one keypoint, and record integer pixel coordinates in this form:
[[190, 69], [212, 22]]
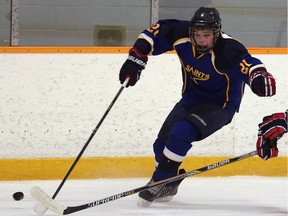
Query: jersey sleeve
[[162, 35], [233, 54], [246, 65]]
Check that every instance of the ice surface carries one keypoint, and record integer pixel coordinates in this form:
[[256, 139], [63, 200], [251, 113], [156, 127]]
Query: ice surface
[[197, 196]]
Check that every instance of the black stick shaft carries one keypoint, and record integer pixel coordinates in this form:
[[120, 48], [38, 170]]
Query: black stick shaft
[[73, 209], [89, 140]]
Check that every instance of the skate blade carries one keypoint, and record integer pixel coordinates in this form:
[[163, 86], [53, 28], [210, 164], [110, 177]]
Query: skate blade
[[164, 199], [143, 203]]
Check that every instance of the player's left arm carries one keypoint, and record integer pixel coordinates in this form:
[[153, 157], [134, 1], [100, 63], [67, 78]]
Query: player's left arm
[[251, 70], [255, 74]]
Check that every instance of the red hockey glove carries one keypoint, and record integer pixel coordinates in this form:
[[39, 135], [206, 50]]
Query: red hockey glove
[[262, 83], [274, 126], [133, 67], [270, 131], [266, 148]]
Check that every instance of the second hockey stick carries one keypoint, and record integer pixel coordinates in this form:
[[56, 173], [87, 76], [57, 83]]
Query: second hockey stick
[[39, 195], [40, 210]]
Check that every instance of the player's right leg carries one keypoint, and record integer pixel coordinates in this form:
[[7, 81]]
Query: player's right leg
[[178, 144]]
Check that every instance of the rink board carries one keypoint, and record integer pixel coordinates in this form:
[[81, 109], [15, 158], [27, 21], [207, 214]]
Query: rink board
[[126, 167]]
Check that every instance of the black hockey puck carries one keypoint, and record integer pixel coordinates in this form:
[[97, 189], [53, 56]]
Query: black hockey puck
[[18, 196]]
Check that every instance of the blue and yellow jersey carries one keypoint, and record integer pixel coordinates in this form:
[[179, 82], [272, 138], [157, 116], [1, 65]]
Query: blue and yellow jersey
[[218, 76]]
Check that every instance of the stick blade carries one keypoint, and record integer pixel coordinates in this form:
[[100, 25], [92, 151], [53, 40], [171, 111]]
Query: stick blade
[[39, 195], [39, 209]]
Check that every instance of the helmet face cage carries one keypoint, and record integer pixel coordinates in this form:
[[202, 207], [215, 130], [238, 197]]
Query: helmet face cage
[[205, 18]]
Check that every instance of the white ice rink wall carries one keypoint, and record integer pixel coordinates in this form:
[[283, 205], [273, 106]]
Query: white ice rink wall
[[51, 102]]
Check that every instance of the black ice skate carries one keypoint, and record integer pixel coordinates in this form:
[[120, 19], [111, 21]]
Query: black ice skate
[[160, 193]]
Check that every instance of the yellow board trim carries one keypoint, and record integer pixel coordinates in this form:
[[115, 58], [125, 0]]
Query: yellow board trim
[[92, 49], [125, 167]]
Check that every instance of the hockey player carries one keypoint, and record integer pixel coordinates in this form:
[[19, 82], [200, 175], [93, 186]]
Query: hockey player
[[270, 131], [215, 68]]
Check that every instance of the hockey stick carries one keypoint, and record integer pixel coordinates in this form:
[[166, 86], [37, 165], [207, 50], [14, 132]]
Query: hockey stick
[[39, 195], [40, 210]]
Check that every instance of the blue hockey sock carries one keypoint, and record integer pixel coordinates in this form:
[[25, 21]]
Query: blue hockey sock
[[166, 169], [158, 147]]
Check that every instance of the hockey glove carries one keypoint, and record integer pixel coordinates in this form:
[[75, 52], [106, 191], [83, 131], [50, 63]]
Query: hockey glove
[[262, 83], [266, 148], [133, 67], [274, 126], [270, 131]]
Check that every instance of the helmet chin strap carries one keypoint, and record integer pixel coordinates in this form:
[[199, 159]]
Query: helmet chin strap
[[201, 49]]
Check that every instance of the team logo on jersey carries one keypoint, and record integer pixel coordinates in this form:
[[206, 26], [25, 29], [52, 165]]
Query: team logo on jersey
[[196, 74]]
